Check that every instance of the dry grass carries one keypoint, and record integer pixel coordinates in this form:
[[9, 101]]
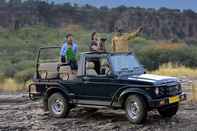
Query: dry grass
[[169, 45], [10, 85], [170, 69]]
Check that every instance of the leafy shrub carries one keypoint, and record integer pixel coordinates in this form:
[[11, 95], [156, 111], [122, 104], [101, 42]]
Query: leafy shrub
[[2, 78], [24, 75], [154, 56], [10, 71]]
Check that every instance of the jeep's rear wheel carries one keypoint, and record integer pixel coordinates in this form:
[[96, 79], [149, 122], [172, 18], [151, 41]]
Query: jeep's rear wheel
[[136, 109], [169, 111], [58, 105]]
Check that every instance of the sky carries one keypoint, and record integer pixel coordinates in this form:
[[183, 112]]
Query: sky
[[172, 4]]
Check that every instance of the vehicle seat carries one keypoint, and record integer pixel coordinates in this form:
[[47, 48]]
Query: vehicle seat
[[48, 70], [90, 69], [65, 72], [105, 68]]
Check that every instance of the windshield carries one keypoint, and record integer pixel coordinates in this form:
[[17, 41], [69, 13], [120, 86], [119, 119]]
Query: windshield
[[126, 63]]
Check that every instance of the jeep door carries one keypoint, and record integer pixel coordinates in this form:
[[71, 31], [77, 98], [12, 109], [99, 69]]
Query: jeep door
[[98, 86]]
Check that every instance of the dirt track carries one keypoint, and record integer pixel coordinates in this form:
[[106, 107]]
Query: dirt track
[[18, 113]]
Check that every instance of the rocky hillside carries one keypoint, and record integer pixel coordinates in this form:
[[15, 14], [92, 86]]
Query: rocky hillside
[[158, 24], [161, 24]]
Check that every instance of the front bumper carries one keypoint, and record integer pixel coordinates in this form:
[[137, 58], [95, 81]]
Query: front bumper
[[167, 100]]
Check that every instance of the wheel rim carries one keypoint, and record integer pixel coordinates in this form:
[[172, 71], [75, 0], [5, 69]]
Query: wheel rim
[[57, 107], [133, 110]]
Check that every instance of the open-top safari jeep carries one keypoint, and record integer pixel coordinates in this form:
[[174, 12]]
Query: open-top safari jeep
[[114, 80]]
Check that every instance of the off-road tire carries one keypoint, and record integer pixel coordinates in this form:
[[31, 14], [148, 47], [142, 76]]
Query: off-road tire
[[169, 111], [58, 105], [141, 107]]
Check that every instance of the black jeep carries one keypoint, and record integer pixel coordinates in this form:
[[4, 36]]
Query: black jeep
[[114, 80]]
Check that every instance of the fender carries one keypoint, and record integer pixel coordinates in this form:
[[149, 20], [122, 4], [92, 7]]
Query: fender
[[132, 90], [51, 85], [48, 86], [56, 86]]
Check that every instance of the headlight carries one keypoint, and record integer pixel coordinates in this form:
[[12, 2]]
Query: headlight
[[157, 91]]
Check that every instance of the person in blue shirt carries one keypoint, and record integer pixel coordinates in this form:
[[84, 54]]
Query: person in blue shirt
[[69, 52]]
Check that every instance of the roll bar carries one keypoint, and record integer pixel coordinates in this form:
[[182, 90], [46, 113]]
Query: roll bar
[[38, 56]]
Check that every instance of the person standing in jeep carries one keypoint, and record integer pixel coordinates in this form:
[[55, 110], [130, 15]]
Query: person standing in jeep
[[69, 52], [120, 40], [97, 44]]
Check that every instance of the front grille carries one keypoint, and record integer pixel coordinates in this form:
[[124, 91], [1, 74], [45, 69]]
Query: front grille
[[169, 90], [172, 90]]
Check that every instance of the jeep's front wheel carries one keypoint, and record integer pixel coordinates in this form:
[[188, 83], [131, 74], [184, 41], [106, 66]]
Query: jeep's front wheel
[[136, 109], [58, 105], [169, 111]]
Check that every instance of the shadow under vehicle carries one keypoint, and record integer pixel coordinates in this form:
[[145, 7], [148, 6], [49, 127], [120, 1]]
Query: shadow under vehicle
[[114, 80]]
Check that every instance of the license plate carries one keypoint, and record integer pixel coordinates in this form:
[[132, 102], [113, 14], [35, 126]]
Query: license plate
[[174, 99]]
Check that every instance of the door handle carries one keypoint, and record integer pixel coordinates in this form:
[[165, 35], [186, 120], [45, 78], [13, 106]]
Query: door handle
[[85, 78]]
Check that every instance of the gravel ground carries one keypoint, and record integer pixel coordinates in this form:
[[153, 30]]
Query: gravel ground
[[17, 113]]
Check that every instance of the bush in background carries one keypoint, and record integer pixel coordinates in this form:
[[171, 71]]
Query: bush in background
[[155, 55], [25, 75], [2, 78]]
